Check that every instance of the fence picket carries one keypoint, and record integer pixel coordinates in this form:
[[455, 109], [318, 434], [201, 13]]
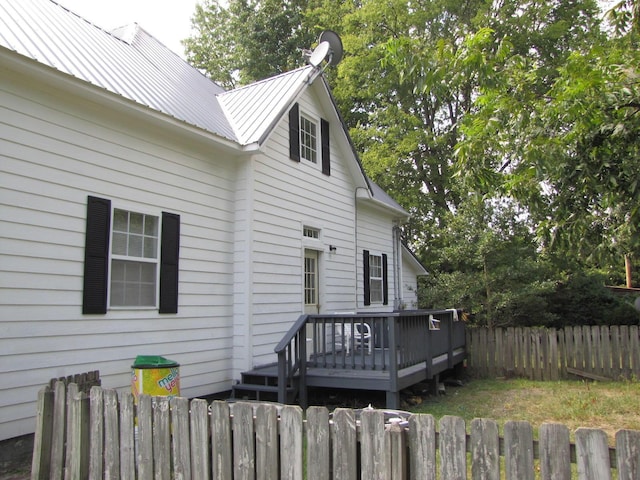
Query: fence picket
[[96, 437], [518, 439], [244, 460], [452, 446], [127, 437], [290, 443], [344, 445], [111, 457], [41, 460], [555, 452], [267, 442], [161, 438], [373, 458], [396, 465], [221, 446], [78, 438], [59, 429], [71, 408], [592, 454], [318, 444], [485, 450], [180, 445], [422, 446], [144, 451], [628, 454], [199, 433]]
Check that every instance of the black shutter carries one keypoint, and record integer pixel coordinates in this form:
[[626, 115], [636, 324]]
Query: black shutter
[[169, 256], [294, 133], [385, 283], [326, 158], [96, 256], [367, 279]]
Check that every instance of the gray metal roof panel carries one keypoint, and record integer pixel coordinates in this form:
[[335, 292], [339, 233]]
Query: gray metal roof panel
[[253, 109], [140, 69]]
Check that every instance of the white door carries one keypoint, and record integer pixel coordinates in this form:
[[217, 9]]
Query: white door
[[311, 290]]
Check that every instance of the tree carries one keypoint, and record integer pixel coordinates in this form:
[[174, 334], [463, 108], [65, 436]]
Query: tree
[[248, 40], [570, 152]]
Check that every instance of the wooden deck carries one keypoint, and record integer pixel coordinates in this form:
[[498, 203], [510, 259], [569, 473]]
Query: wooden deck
[[396, 351]]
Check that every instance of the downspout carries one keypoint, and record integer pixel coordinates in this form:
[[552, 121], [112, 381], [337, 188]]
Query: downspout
[[397, 269], [355, 237]]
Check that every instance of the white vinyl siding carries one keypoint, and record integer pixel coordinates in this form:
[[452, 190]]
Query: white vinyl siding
[[50, 162]]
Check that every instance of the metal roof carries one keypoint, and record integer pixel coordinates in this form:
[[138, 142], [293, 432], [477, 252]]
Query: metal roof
[[131, 63], [128, 61], [254, 109]]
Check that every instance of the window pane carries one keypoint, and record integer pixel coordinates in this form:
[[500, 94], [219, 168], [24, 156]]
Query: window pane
[[120, 220], [150, 247], [308, 139], [375, 278], [135, 246], [119, 243], [150, 226], [133, 284], [136, 222]]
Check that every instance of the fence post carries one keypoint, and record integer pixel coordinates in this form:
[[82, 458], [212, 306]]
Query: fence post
[[318, 444], [555, 452], [485, 449], [161, 438], [41, 460]]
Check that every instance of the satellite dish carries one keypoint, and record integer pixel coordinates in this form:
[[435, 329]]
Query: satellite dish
[[335, 45], [319, 54]]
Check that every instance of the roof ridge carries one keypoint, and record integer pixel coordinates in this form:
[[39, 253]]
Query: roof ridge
[[265, 80]]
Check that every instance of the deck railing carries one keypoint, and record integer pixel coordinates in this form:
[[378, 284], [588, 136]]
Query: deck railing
[[386, 341]]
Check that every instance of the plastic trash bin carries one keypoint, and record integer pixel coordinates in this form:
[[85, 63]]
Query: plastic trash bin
[[156, 376]]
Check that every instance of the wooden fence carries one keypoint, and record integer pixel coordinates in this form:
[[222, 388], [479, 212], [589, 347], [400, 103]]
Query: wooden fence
[[597, 352], [181, 439]]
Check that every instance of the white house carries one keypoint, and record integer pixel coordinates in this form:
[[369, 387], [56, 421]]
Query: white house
[[146, 211]]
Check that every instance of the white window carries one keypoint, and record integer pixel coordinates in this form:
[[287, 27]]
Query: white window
[[376, 281], [308, 139], [134, 259], [310, 232]]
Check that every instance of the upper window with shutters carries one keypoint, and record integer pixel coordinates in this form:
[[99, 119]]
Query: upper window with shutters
[[309, 139]]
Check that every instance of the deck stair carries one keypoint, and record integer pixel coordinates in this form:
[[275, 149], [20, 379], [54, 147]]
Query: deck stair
[[261, 383]]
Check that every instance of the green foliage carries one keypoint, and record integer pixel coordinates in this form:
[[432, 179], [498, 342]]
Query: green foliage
[[243, 41]]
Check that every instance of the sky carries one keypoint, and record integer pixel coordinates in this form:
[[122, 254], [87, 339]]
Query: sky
[[167, 20]]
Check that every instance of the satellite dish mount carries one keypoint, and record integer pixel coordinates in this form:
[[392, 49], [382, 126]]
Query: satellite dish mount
[[329, 48]]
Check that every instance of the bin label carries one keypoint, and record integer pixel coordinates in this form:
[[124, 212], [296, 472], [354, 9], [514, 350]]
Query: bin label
[[162, 382]]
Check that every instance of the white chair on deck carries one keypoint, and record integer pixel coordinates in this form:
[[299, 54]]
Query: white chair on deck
[[361, 334]]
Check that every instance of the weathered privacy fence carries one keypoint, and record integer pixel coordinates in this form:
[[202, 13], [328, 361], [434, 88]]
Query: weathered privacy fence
[[182, 439], [597, 352]]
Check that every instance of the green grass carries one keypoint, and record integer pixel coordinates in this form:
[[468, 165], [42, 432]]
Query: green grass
[[609, 406]]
